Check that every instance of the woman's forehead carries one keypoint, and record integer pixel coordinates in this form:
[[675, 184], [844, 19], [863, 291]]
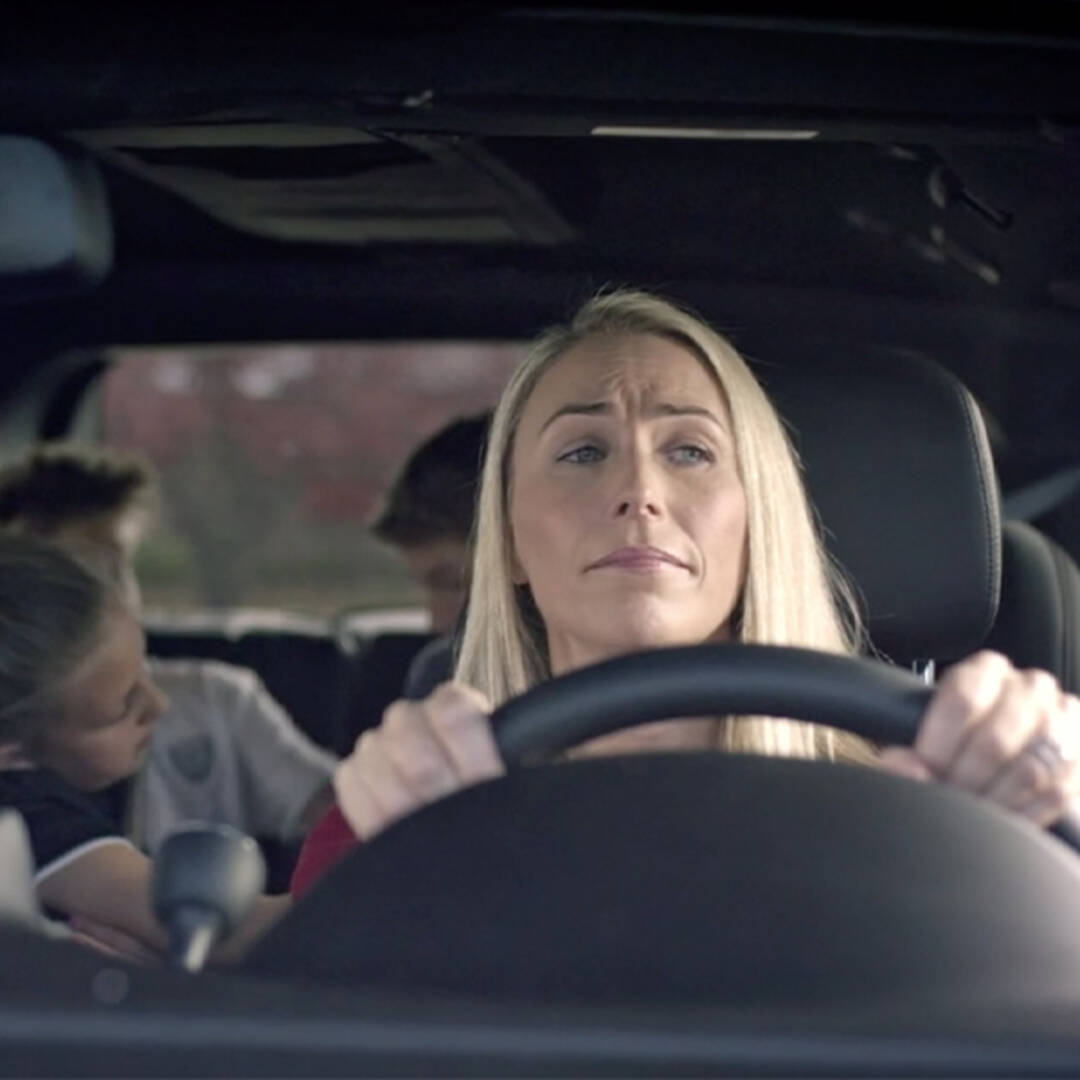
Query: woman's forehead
[[639, 369]]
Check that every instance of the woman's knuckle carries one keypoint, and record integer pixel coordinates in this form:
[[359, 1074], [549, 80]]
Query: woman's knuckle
[[1040, 683], [446, 691], [992, 660], [453, 716], [399, 715], [1031, 773], [367, 743], [993, 747], [963, 692], [422, 770]]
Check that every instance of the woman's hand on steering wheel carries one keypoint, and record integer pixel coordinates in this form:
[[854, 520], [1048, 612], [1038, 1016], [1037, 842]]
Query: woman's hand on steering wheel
[[1011, 736], [421, 752]]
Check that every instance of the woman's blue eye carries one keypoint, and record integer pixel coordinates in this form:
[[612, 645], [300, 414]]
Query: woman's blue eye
[[583, 455], [690, 454]]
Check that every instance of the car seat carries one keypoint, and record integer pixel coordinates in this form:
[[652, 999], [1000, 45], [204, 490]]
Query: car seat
[[1038, 620]]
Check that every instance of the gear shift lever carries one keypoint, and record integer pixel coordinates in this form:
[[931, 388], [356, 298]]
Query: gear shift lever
[[205, 880]]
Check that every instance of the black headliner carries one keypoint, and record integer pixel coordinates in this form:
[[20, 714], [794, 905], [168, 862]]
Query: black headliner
[[780, 242]]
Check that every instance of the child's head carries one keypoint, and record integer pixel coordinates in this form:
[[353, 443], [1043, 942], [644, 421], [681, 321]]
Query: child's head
[[74, 693], [94, 503], [428, 514]]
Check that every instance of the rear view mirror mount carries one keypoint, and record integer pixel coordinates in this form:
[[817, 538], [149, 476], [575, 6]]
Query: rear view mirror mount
[[55, 225]]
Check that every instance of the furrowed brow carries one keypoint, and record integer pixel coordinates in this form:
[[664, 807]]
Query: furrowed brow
[[595, 408]]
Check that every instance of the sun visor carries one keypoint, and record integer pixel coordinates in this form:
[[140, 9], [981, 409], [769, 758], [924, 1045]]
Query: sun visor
[[336, 184], [55, 226]]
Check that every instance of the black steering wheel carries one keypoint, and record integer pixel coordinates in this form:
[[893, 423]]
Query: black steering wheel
[[882, 703], [696, 877]]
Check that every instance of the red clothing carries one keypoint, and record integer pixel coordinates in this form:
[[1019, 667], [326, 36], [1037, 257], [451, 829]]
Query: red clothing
[[330, 840]]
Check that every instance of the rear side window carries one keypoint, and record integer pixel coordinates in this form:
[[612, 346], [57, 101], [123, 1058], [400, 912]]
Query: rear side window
[[273, 460]]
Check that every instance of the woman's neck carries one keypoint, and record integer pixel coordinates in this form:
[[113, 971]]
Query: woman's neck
[[568, 654]]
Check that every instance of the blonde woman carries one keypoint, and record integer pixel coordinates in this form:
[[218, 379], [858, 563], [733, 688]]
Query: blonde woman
[[639, 491]]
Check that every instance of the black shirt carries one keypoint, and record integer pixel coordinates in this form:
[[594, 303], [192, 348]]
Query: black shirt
[[60, 818]]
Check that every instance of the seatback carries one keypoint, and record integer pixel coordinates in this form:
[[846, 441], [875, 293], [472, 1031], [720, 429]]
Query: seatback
[[1038, 621], [898, 467], [379, 670], [309, 673], [333, 687]]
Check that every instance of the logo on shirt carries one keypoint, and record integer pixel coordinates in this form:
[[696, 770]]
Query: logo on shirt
[[192, 757]]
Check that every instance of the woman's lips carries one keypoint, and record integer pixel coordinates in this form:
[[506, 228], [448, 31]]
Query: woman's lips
[[640, 559]]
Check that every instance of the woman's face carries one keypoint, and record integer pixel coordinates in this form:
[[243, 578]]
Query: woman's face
[[108, 709], [627, 512]]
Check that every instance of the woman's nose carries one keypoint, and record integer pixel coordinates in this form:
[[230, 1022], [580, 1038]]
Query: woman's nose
[[639, 493]]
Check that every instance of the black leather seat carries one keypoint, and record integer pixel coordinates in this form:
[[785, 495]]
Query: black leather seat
[[308, 673], [332, 688], [1038, 622], [378, 675]]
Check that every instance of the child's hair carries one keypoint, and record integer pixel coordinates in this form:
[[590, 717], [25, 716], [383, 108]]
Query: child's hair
[[55, 484], [51, 611], [434, 494]]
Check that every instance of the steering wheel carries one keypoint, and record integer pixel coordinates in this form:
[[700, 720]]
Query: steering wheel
[[696, 877], [882, 703]]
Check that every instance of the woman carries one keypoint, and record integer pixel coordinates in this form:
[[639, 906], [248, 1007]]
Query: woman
[[639, 491]]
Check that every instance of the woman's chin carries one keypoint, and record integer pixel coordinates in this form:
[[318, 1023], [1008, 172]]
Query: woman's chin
[[654, 623]]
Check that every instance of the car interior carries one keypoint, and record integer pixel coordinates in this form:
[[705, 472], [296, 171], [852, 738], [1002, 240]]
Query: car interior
[[879, 210]]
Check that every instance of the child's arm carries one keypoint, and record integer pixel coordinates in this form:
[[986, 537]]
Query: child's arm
[[110, 885], [286, 778]]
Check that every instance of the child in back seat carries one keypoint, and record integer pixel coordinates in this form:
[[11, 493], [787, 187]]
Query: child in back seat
[[78, 710], [224, 749]]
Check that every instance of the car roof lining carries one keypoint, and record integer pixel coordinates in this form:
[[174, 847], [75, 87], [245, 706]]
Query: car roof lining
[[836, 237]]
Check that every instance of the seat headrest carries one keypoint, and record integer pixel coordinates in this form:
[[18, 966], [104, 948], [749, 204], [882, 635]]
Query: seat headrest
[[898, 465]]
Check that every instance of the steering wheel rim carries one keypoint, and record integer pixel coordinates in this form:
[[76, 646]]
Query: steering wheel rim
[[539, 874], [877, 701], [866, 697]]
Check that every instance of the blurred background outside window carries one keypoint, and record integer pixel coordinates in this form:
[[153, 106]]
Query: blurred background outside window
[[273, 460]]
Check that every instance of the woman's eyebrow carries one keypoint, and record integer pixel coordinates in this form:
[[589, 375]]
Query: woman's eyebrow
[[661, 409], [665, 409], [577, 409]]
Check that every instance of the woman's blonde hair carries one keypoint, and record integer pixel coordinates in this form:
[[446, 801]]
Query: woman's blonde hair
[[792, 594]]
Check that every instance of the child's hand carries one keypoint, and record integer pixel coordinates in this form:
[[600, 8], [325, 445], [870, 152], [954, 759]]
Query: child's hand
[[111, 942]]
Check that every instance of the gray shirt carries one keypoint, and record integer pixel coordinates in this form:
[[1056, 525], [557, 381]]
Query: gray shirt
[[224, 751]]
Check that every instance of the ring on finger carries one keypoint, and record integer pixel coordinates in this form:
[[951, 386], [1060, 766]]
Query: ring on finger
[[1050, 752]]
